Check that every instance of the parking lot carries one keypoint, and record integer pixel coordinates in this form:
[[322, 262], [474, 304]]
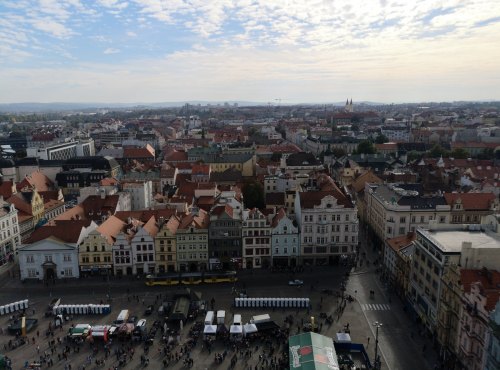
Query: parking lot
[[264, 351]]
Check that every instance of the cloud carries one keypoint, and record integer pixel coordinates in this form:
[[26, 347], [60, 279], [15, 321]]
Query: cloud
[[131, 34], [52, 27], [111, 51]]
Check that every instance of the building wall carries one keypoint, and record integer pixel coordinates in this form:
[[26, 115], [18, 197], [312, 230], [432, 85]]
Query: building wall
[[166, 250], [96, 255], [256, 240], [327, 231], [10, 237], [493, 349], [285, 245], [192, 249], [31, 263], [122, 255], [143, 253]]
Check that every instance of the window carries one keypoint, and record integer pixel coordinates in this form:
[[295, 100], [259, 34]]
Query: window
[[30, 259], [97, 259], [31, 273], [67, 258], [402, 220], [402, 230], [68, 272], [48, 258]]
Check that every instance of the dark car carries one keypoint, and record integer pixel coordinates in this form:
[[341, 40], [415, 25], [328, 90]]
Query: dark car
[[132, 320], [149, 310]]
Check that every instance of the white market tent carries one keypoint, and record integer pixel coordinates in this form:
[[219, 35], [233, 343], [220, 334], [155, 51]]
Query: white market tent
[[249, 329], [343, 338], [210, 329], [236, 329]]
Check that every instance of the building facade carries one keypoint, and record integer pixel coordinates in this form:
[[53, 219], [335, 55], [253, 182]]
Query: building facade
[[256, 239], [192, 242], [285, 242], [166, 245], [10, 238], [48, 259]]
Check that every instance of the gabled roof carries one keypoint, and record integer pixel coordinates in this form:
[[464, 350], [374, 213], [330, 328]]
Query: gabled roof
[[176, 156], [137, 153], [67, 231], [7, 188], [278, 217], [198, 221], [21, 203], [48, 244], [368, 177], [471, 201], [111, 228], [302, 159], [36, 180], [151, 227], [145, 215], [223, 209], [401, 241]]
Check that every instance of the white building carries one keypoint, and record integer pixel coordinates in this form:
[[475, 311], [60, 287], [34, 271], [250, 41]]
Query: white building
[[435, 249], [10, 237], [63, 150], [143, 248], [141, 194], [49, 259], [328, 224], [285, 244], [396, 209], [122, 255]]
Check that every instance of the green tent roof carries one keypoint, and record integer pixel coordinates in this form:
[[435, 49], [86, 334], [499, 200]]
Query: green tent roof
[[311, 351]]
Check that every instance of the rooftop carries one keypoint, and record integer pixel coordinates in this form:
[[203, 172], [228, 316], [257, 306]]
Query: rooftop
[[451, 240]]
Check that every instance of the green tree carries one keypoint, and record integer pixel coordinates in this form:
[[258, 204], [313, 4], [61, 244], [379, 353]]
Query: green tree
[[253, 194], [338, 152], [459, 153], [365, 147], [276, 157], [413, 155], [487, 153], [438, 151], [381, 139]]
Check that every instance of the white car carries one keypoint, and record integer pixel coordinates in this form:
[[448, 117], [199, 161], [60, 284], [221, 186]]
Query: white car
[[296, 282]]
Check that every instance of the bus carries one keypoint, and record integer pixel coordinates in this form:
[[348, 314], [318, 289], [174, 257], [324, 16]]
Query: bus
[[192, 278]]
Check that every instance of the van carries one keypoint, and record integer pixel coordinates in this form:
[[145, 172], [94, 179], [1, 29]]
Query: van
[[209, 318], [237, 319], [122, 317], [139, 331], [221, 315], [260, 319]]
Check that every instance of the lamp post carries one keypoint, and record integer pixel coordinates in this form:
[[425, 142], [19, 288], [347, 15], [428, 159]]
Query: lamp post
[[376, 362]]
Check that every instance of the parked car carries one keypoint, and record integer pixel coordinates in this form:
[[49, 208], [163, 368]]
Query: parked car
[[132, 320], [149, 310], [296, 282]]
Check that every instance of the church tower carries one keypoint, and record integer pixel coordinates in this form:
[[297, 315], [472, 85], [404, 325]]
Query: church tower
[[348, 106]]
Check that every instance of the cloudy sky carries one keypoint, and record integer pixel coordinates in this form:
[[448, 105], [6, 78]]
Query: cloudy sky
[[254, 50]]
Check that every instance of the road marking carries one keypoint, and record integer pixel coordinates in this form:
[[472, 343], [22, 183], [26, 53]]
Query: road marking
[[375, 307]]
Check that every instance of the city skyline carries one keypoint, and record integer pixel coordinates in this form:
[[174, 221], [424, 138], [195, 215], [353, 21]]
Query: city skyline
[[298, 52]]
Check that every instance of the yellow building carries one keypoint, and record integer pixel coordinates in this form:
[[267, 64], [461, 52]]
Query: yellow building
[[96, 249], [165, 246], [245, 163]]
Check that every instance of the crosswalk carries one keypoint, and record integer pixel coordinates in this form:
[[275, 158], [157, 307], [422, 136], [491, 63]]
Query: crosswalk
[[375, 307]]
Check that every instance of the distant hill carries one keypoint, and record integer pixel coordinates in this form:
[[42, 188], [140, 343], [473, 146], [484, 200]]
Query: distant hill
[[72, 107]]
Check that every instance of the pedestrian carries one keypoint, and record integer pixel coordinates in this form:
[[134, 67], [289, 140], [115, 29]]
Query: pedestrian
[[368, 339]]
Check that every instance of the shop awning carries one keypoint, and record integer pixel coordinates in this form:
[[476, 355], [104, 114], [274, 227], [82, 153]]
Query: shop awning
[[311, 351]]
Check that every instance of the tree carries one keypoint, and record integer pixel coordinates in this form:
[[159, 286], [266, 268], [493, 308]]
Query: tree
[[276, 157], [459, 153], [438, 151], [412, 155], [381, 139], [487, 153], [365, 147], [253, 194], [338, 152]]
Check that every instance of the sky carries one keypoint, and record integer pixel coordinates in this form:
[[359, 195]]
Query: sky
[[277, 51]]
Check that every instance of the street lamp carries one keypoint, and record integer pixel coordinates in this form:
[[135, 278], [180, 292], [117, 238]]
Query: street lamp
[[376, 362]]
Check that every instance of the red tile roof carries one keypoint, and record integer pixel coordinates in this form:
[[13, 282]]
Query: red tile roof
[[67, 231], [401, 241], [145, 215], [176, 156], [6, 189], [471, 201], [36, 180], [489, 281], [139, 153]]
